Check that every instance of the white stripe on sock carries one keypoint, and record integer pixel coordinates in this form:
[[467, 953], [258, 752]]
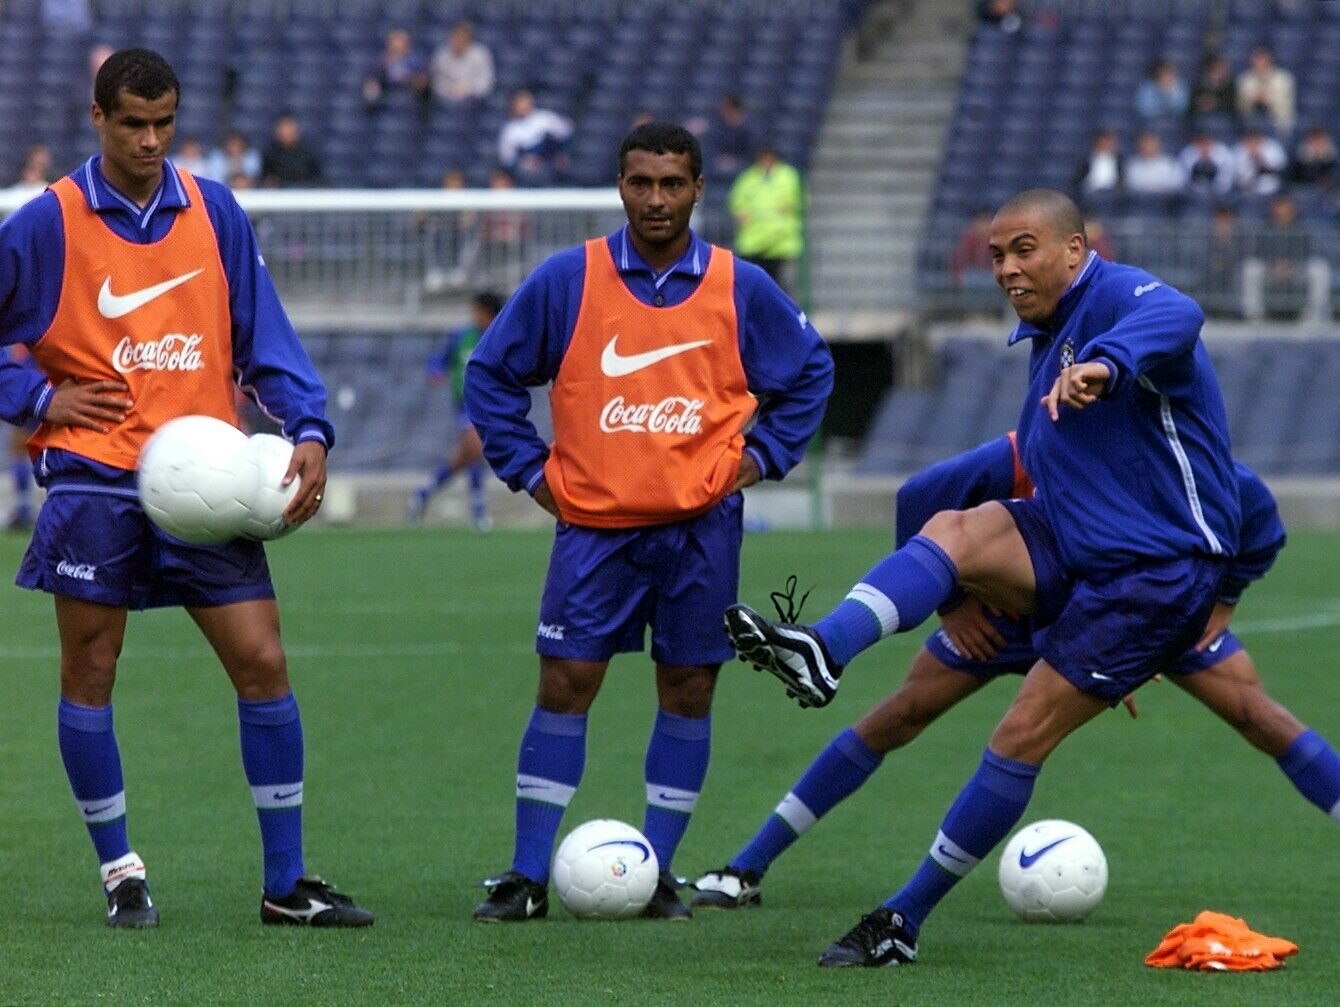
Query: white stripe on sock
[[952, 857], [103, 809], [671, 798], [878, 603], [277, 795], [537, 788], [793, 812]]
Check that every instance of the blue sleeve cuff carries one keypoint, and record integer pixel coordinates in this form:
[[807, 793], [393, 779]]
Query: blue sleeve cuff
[[312, 434], [43, 402], [759, 460], [534, 480]]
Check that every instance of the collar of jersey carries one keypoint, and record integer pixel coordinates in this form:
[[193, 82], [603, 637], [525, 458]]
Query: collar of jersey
[[1027, 330], [104, 198]]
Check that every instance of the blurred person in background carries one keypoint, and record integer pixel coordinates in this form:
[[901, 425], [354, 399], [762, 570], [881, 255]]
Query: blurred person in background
[[1266, 91], [468, 454], [398, 68], [232, 157], [1285, 275], [287, 161], [767, 202], [1163, 95], [462, 67], [532, 144]]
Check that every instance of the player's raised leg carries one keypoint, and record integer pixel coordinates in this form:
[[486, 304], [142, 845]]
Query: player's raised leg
[[245, 636]]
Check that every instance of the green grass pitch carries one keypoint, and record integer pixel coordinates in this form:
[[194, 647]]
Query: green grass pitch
[[411, 652]]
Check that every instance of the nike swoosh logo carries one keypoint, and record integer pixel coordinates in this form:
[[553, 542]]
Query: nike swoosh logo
[[662, 795], [644, 850], [1027, 859], [945, 853], [279, 795], [97, 811], [615, 365], [116, 305], [1216, 645]]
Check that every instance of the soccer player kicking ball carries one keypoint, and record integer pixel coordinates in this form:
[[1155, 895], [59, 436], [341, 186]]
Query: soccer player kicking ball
[[1118, 559], [1217, 671], [141, 292]]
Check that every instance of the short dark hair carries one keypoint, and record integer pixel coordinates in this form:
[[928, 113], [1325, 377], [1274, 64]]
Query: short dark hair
[[664, 138], [1056, 208], [142, 72], [488, 300]]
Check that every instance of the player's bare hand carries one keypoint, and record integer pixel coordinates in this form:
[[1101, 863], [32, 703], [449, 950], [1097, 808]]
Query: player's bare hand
[[748, 473], [545, 498], [971, 632], [1220, 617], [308, 465], [1128, 700], [95, 405], [1077, 386]]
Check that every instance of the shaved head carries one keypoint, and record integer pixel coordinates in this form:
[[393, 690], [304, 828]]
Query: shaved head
[[1056, 209]]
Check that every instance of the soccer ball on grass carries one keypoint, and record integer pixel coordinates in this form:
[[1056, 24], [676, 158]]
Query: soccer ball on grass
[[1053, 871], [605, 870], [202, 480]]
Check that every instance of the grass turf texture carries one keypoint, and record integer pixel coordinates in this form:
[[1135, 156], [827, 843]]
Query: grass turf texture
[[412, 659]]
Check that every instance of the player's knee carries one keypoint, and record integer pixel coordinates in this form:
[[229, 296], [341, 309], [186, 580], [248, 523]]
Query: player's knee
[[260, 672]]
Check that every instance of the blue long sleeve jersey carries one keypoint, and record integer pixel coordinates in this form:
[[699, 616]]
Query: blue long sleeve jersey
[[786, 363], [986, 472], [270, 362], [1145, 473]]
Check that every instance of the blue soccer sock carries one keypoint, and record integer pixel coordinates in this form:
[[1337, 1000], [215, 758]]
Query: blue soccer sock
[[836, 773], [21, 472], [272, 757], [986, 810], [898, 594], [479, 510], [675, 768], [93, 765], [1312, 765], [549, 768]]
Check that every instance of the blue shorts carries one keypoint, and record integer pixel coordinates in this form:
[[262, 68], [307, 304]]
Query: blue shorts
[[99, 546], [1109, 635], [606, 586], [1015, 658]]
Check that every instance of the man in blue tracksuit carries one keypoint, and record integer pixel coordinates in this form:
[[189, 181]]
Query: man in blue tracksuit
[[1217, 671], [1118, 558]]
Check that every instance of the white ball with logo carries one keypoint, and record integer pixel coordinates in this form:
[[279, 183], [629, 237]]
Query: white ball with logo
[[265, 519], [1053, 871], [605, 870], [197, 480]]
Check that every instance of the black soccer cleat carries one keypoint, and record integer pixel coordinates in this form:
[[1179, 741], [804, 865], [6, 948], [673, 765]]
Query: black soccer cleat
[[727, 889], [129, 906], [513, 898], [313, 903], [665, 902], [881, 938], [794, 653]]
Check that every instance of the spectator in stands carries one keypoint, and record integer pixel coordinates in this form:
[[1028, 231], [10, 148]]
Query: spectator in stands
[[462, 68], [34, 170], [1154, 178], [1266, 90], [1099, 179], [1163, 95], [532, 144], [234, 156], [1099, 240], [1214, 95], [1286, 276], [767, 202], [1208, 166], [1001, 14], [1260, 162], [1314, 163], [970, 261], [398, 67], [190, 155], [287, 161], [728, 141], [1221, 278]]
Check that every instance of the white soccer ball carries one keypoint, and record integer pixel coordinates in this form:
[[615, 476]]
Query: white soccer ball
[[197, 479], [605, 870], [271, 455], [1053, 871]]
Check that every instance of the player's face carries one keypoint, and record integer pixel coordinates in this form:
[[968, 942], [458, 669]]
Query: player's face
[[136, 136], [658, 193], [1032, 263]]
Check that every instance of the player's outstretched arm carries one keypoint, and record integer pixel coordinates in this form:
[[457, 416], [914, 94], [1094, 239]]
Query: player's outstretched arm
[[1077, 386]]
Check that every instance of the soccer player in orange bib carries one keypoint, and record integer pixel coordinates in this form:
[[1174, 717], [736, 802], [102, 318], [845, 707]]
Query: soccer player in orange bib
[[661, 349], [141, 292]]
